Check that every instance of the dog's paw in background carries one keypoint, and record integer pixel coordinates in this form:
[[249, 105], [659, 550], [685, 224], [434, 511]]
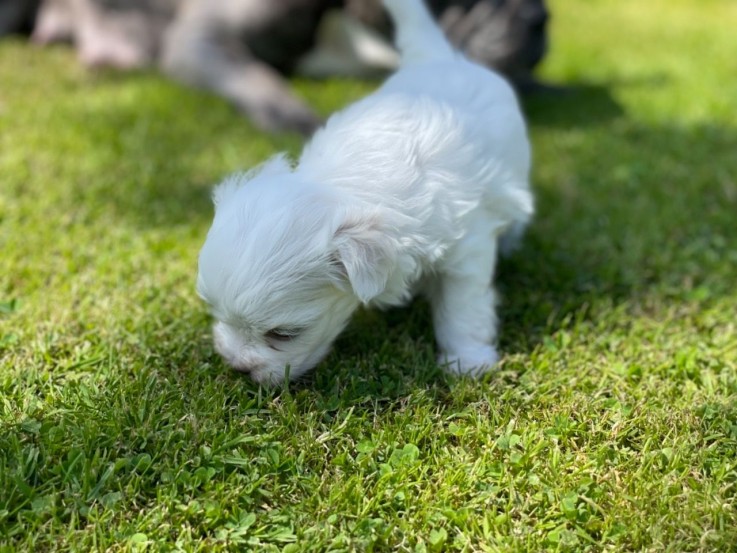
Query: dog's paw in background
[[243, 49]]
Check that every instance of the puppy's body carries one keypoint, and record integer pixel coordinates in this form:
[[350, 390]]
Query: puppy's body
[[432, 154], [405, 191]]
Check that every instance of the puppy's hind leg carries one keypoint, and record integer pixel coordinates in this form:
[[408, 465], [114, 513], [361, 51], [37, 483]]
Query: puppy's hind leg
[[463, 304], [510, 240]]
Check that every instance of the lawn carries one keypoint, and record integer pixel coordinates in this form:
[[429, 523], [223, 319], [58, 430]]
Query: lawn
[[611, 423]]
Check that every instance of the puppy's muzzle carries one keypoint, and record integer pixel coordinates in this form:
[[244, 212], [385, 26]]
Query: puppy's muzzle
[[236, 355]]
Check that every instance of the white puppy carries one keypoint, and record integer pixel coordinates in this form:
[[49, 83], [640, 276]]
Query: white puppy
[[405, 191]]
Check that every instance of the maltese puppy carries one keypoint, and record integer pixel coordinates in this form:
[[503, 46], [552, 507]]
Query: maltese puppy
[[406, 191]]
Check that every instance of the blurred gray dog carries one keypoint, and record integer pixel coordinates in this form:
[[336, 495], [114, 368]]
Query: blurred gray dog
[[241, 49]]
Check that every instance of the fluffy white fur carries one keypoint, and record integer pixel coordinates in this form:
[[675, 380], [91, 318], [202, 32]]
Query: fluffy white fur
[[404, 192]]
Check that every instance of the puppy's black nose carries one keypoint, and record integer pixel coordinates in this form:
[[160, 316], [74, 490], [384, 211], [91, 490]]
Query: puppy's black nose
[[243, 367]]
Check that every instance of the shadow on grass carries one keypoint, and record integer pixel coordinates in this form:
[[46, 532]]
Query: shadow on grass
[[632, 216], [155, 160], [577, 105]]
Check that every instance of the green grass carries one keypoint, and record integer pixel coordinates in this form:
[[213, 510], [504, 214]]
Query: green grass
[[611, 424]]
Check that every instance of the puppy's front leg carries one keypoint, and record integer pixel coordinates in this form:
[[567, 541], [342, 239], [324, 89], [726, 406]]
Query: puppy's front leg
[[463, 304]]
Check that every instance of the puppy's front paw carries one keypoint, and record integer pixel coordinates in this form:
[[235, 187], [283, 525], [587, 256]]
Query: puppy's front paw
[[474, 361]]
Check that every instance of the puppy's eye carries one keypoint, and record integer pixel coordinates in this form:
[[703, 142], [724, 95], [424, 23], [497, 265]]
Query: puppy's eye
[[282, 335]]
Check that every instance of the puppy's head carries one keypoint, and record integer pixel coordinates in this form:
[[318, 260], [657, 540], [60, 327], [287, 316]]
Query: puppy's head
[[283, 267]]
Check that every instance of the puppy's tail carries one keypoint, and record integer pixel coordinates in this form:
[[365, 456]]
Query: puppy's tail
[[417, 35]]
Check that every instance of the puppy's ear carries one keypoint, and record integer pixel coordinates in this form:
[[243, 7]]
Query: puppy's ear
[[365, 254]]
